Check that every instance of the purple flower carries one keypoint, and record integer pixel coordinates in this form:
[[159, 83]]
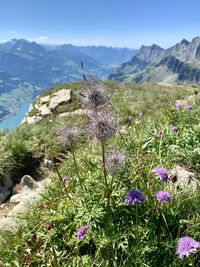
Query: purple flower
[[65, 179], [160, 133], [81, 233], [163, 196], [189, 108], [161, 173], [134, 196], [186, 245], [174, 129], [178, 105]]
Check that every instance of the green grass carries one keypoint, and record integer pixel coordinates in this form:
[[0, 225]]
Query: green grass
[[119, 235]]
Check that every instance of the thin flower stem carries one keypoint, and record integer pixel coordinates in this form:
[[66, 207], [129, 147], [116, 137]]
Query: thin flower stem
[[164, 219], [76, 168], [65, 188], [104, 169], [160, 151]]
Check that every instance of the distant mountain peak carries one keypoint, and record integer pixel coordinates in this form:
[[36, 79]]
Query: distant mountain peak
[[185, 42]]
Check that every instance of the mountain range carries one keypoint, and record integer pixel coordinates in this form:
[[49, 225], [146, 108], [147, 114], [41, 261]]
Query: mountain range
[[179, 63], [28, 69]]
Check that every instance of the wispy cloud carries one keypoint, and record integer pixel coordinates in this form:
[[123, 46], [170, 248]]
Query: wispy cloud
[[10, 32], [41, 39]]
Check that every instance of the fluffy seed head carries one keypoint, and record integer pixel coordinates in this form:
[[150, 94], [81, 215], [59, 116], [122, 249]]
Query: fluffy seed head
[[93, 94], [69, 136], [101, 125], [163, 196], [186, 246], [134, 196], [114, 160]]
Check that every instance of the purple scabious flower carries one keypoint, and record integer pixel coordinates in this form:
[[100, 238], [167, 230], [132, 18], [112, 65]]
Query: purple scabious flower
[[81, 233], [186, 246], [179, 105], [163, 196], [134, 196], [161, 173], [189, 107], [65, 179], [174, 129]]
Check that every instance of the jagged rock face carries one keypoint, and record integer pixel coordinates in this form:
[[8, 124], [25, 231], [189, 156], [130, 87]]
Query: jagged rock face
[[179, 63], [151, 53]]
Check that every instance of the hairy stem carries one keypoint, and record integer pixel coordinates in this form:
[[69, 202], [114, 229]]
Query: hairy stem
[[76, 168]]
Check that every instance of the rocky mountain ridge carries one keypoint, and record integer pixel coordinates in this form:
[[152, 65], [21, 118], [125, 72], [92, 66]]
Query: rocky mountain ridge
[[180, 63]]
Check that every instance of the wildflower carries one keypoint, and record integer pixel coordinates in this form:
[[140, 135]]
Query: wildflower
[[179, 105], [140, 114], [101, 125], [69, 136], [161, 173], [189, 108], [114, 160], [81, 233], [174, 129], [65, 179], [93, 94], [163, 196], [186, 246], [160, 133], [134, 196]]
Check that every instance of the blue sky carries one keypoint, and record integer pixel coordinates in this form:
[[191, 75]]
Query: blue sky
[[122, 23]]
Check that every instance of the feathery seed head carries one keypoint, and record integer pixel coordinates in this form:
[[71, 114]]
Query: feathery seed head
[[114, 160], [69, 136], [93, 94], [101, 125]]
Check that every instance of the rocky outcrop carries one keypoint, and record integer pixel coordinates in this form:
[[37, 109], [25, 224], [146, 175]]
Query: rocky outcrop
[[29, 193], [46, 105]]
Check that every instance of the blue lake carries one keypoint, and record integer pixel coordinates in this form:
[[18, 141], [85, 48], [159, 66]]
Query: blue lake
[[11, 122]]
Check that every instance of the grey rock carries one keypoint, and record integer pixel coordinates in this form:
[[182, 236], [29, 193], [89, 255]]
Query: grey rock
[[28, 181], [4, 194]]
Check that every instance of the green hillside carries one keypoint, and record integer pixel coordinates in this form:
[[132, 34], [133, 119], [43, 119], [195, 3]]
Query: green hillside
[[133, 136]]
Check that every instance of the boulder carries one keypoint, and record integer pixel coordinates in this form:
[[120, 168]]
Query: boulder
[[44, 110], [29, 182], [44, 99], [60, 97], [185, 179]]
